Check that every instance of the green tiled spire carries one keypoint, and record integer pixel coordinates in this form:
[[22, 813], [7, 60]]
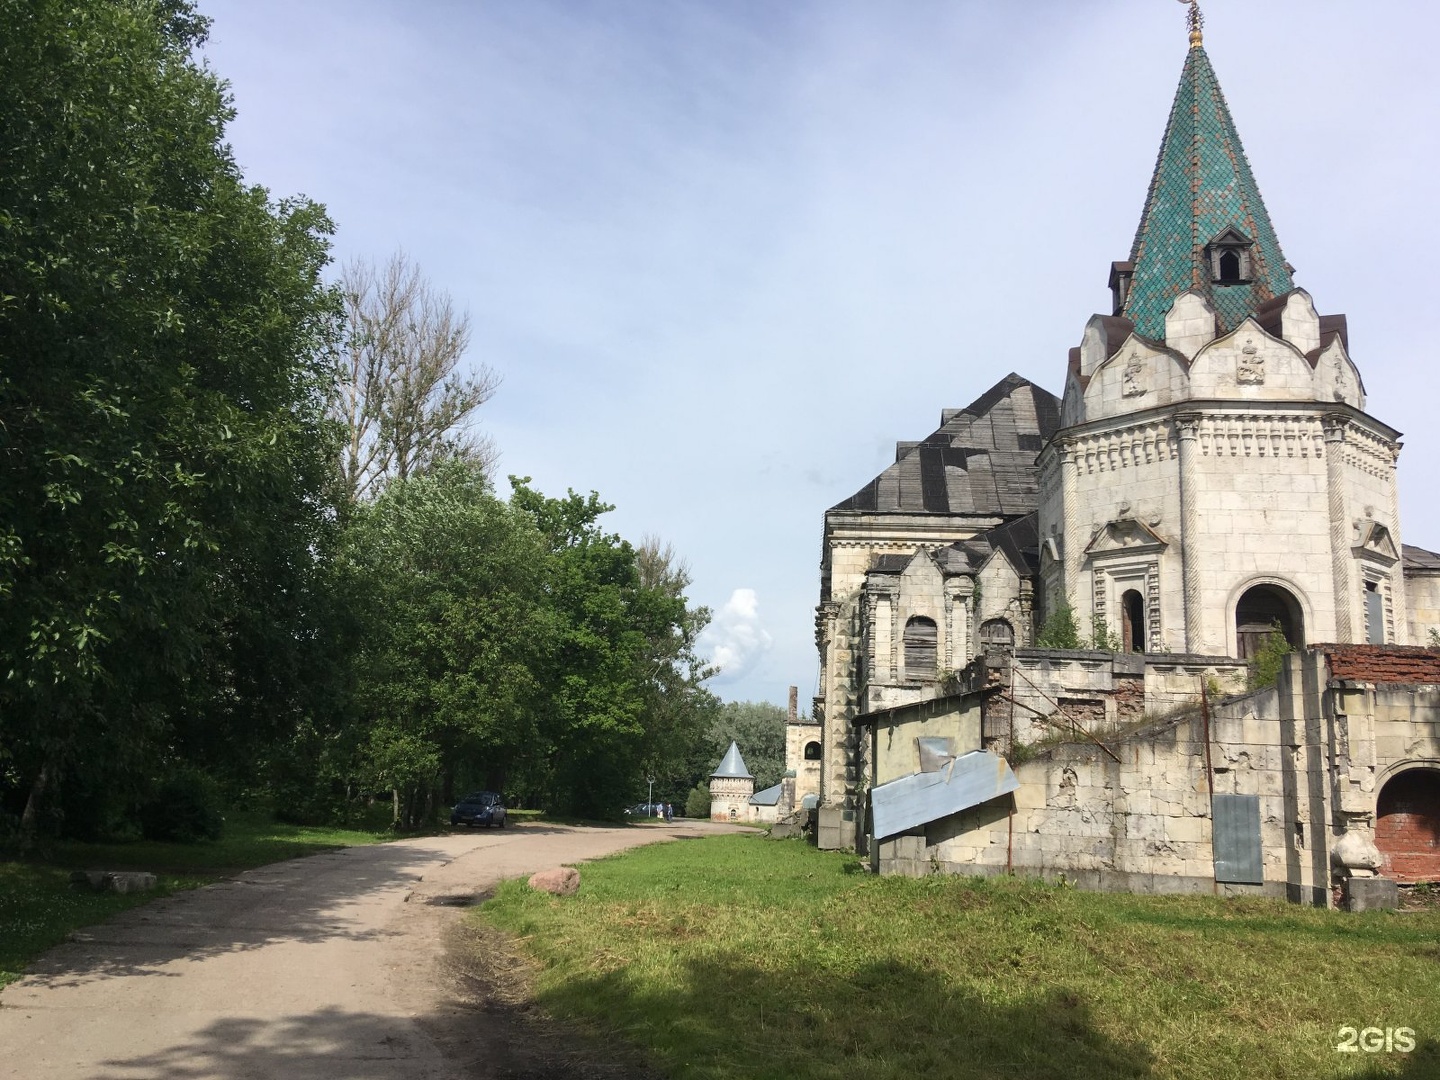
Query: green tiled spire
[[1202, 186]]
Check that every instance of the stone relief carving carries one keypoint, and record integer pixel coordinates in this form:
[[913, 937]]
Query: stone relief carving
[[1251, 368], [1342, 379], [1132, 383]]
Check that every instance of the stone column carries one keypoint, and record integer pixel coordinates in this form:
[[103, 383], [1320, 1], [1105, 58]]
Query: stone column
[[1341, 570], [1400, 607], [1187, 427], [1069, 522]]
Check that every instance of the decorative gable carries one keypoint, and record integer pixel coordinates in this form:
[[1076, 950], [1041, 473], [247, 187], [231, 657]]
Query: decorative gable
[[1125, 536], [1376, 544]]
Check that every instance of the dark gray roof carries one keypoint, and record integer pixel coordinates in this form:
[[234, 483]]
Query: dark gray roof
[[733, 765], [1416, 558], [981, 460], [1019, 539], [769, 797]]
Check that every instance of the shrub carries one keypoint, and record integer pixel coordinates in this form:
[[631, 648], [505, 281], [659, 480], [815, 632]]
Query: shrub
[[185, 808], [1060, 630], [1269, 658], [697, 803]]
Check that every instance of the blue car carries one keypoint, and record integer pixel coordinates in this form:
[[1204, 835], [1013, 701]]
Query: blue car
[[480, 808]]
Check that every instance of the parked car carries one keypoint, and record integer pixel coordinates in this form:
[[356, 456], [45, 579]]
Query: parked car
[[479, 808], [646, 809]]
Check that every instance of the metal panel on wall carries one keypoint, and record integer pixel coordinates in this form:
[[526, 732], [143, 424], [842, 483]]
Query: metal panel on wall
[[1236, 839]]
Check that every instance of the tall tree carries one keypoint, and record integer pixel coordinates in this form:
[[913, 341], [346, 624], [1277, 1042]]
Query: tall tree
[[679, 709], [456, 633], [161, 394], [402, 399]]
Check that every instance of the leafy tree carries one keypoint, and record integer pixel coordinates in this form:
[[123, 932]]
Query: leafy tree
[[401, 399], [161, 325], [758, 728], [623, 649], [457, 632]]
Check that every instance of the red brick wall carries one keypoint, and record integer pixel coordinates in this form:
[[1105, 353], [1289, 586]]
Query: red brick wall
[[1407, 827], [1405, 664]]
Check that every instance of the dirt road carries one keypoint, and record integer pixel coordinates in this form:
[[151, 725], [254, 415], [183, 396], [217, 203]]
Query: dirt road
[[334, 966]]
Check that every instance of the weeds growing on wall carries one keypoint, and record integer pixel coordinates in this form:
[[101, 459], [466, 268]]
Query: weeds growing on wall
[[1060, 630], [1269, 658]]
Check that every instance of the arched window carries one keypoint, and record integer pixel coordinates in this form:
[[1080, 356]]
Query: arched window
[[812, 751], [1229, 267], [1132, 634], [1261, 611], [920, 652], [996, 634]]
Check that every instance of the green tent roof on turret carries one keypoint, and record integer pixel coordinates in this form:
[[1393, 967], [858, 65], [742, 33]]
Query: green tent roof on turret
[[733, 765], [1205, 226]]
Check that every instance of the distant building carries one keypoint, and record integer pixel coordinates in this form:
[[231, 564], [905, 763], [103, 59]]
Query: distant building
[[731, 786]]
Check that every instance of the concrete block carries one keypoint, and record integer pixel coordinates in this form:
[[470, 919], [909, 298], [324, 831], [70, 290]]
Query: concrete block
[[118, 881], [1370, 894]]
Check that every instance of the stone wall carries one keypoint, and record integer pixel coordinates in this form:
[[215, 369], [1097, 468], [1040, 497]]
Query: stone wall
[[1140, 820], [1097, 691], [1135, 813]]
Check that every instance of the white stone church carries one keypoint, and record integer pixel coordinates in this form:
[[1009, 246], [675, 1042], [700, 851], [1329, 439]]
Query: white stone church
[[1209, 475]]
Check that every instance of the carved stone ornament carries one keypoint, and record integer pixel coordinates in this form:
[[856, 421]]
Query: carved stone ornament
[[1132, 383], [1342, 379], [1356, 854], [1251, 368]]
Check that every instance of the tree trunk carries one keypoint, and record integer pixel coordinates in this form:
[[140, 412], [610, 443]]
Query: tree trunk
[[395, 811], [30, 817]]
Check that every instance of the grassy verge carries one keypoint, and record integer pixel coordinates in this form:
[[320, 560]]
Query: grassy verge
[[39, 907], [736, 957]]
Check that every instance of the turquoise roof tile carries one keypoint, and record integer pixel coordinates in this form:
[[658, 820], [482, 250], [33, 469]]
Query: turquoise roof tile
[[1202, 186]]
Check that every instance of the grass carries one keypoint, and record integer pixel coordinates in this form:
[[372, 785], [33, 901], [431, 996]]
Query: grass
[[39, 908], [735, 957]]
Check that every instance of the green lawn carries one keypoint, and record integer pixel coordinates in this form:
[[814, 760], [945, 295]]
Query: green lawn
[[736, 956], [39, 907]]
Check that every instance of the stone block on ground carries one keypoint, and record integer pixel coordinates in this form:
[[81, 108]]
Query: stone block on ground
[[562, 881], [1371, 894], [119, 881], [784, 830]]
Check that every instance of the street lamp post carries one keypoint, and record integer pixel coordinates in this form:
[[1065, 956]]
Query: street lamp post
[[650, 806]]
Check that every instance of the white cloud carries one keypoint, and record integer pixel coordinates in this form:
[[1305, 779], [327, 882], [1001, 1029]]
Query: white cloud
[[736, 639]]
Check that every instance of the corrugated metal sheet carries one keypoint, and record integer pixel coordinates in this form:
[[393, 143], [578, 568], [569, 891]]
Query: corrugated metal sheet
[[1236, 828], [969, 780]]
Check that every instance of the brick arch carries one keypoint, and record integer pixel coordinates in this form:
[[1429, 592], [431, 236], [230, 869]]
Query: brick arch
[[1407, 826]]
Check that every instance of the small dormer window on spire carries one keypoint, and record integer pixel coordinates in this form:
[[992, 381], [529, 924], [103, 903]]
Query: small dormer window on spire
[[1121, 274], [1229, 258]]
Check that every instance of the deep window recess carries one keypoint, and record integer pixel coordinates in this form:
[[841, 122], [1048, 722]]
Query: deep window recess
[[920, 653]]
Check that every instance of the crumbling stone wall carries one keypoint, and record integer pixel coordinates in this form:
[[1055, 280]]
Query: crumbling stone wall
[[1135, 813]]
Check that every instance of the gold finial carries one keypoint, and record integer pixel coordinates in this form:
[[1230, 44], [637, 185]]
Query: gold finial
[[1196, 19]]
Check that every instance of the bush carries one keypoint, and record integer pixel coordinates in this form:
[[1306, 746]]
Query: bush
[[185, 808], [1060, 630], [1269, 658], [697, 803]]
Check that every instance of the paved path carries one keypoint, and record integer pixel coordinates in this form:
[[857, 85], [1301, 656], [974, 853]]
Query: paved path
[[324, 967]]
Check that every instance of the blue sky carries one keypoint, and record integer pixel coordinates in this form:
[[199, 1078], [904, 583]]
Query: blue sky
[[724, 254]]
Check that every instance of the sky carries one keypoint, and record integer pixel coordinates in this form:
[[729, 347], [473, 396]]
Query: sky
[[723, 255]]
